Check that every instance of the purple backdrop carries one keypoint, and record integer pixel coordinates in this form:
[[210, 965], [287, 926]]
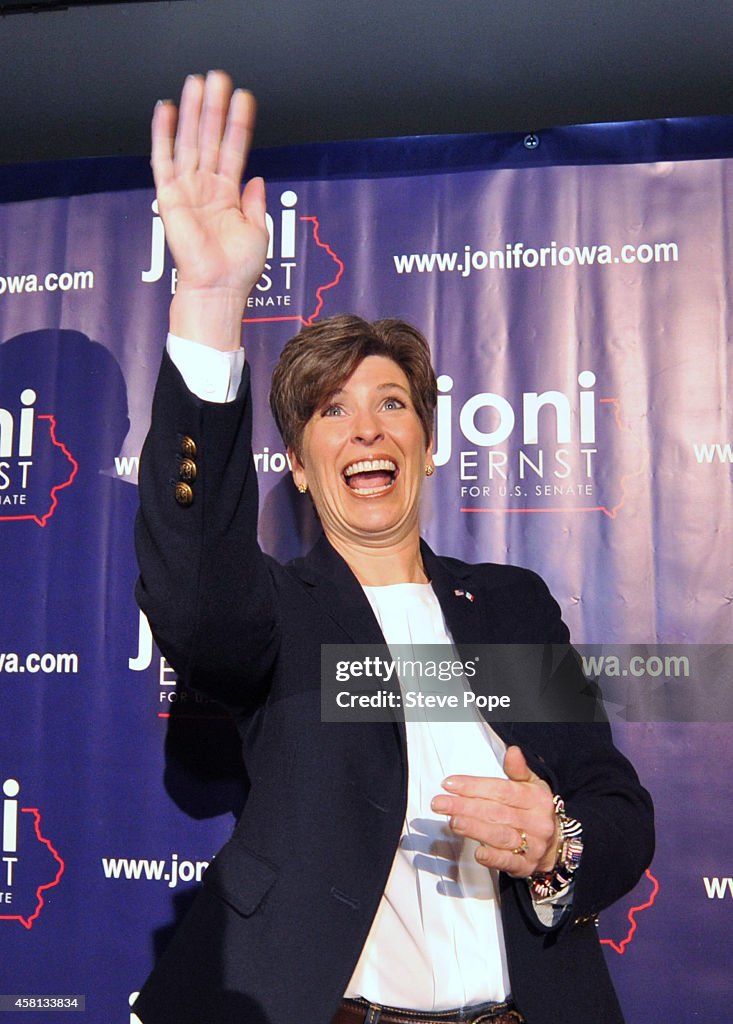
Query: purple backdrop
[[577, 297]]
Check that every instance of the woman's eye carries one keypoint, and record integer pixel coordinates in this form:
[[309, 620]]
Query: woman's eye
[[394, 403], [332, 410]]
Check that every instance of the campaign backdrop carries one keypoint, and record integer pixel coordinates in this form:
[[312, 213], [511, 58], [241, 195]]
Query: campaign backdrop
[[576, 290]]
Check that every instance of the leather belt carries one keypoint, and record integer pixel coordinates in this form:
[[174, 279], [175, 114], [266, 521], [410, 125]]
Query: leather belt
[[361, 1011]]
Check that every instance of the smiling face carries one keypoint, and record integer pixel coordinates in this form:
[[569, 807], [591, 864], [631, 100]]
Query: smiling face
[[363, 456]]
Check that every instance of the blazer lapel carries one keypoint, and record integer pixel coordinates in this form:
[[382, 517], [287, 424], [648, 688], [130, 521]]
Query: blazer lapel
[[338, 591], [471, 612], [471, 607], [466, 606]]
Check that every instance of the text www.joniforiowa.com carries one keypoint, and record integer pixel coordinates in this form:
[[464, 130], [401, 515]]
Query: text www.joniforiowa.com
[[518, 256]]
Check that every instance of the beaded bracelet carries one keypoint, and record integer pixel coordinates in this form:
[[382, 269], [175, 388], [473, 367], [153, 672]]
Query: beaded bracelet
[[547, 884]]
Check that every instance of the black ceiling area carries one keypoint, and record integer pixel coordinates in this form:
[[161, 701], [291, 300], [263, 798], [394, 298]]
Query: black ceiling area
[[80, 78]]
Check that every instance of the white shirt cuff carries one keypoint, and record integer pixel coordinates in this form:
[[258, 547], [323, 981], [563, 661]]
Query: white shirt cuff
[[209, 374]]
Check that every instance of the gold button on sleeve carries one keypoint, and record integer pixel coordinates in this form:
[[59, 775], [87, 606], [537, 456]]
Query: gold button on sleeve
[[184, 494], [188, 446], [187, 470]]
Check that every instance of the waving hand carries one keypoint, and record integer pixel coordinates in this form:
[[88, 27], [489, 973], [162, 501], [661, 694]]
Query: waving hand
[[216, 233]]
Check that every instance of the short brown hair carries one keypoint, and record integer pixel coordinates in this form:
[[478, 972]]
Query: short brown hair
[[316, 362]]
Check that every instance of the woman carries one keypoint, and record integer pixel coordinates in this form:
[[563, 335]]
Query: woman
[[464, 888]]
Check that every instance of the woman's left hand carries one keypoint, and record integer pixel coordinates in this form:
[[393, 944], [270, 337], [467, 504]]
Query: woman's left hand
[[513, 819]]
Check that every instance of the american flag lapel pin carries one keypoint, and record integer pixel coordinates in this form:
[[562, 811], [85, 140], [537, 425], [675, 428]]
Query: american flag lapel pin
[[464, 593]]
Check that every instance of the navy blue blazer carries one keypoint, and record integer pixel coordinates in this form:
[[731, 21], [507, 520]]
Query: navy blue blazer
[[285, 907]]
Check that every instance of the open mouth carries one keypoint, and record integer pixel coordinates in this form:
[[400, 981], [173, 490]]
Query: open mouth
[[370, 476]]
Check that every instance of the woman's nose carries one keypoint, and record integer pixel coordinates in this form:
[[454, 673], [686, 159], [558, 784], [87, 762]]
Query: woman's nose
[[366, 429]]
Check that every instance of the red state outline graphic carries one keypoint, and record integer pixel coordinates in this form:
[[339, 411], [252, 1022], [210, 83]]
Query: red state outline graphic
[[27, 922], [610, 512], [59, 487], [620, 947], [319, 291]]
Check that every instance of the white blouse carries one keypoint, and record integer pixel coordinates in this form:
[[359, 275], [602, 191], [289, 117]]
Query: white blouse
[[436, 941]]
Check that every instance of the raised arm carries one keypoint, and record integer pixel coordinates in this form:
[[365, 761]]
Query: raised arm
[[204, 584], [215, 231]]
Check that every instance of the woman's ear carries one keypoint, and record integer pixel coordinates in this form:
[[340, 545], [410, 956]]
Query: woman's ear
[[429, 464], [298, 470]]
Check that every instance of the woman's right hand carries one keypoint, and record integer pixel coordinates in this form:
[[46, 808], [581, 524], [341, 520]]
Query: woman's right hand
[[216, 233]]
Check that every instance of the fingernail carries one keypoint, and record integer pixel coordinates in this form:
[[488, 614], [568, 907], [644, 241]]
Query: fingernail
[[457, 824], [440, 803], [451, 784]]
